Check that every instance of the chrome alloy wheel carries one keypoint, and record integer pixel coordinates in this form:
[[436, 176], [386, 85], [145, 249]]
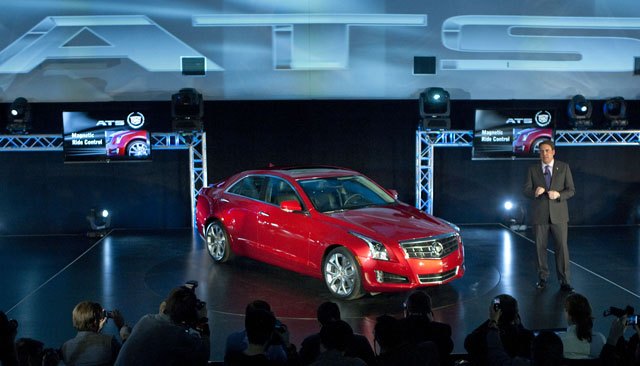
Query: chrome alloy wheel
[[216, 241], [341, 274]]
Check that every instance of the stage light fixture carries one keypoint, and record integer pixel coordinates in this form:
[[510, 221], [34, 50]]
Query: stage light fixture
[[435, 108], [615, 113], [514, 215], [19, 117], [99, 222], [579, 112], [187, 110]]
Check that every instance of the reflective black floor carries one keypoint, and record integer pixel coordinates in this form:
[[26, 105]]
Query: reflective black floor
[[42, 278]]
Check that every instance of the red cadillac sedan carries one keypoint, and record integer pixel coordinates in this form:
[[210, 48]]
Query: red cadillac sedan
[[330, 223]]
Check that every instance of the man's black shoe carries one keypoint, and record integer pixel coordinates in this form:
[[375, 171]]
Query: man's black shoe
[[567, 288], [541, 284]]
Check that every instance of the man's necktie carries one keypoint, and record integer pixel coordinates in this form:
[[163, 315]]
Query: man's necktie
[[547, 176]]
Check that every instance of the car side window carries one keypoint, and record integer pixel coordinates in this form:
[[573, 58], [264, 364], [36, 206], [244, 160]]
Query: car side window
[[279, 190], [250, 186]]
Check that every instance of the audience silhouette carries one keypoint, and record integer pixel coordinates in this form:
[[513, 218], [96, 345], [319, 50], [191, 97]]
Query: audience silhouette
[[419, 325], [515, 338], [179, 335], [358, 345]]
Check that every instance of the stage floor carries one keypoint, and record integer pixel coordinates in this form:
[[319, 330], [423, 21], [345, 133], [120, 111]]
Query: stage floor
[[44, 277]]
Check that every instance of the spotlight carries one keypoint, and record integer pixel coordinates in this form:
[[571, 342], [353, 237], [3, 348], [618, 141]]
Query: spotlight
[[99, 221], [579, 111], [434, 109], [514, 215], [187, 109], [19, 117], [615, 113]]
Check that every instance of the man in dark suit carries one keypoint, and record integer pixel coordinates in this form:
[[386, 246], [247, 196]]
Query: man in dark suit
[[549, 184], [419, 326]]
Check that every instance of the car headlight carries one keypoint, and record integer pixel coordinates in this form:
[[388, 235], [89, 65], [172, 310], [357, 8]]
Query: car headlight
[[118, 139], [377, 250]]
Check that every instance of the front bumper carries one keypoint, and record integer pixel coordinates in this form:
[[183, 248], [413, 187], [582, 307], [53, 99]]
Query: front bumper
[[380, 276]]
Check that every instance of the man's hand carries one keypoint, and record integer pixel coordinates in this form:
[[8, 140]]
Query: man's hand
[[553, 195], [118, 319], [539, 191]]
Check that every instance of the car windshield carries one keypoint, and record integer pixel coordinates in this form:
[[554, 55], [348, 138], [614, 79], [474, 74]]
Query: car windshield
[[344, 193]]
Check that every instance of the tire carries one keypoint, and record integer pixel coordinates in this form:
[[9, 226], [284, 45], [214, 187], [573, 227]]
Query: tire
[[342, 274], [217, 241], [138, 149], [535, 146]]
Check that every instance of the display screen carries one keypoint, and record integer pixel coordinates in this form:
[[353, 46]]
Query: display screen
[[511, 133], [125, 50], [105, 136]]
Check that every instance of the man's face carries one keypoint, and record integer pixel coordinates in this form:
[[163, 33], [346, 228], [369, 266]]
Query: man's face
[[546, 153]]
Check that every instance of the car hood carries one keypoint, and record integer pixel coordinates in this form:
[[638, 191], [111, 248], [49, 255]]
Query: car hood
[[395, 222]]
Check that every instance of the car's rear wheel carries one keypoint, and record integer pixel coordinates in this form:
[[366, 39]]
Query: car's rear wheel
[[342, 274], [218, 242]]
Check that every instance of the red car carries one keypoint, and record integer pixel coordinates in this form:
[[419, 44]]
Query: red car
[[329, 223], [128, 143], [526, 141]]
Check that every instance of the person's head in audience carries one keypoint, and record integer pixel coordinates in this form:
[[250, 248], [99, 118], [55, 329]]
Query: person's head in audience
[[578, 312], [257, 304], [386, 332], [547, 349], [328, 312], [8, 331], [335, 335], [182, 306], [418, 304], [260, 325], [29, 351], [87, 316], [509, 307]]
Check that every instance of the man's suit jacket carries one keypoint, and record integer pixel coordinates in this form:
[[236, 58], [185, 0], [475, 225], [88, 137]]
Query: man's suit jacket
[[544, 210]]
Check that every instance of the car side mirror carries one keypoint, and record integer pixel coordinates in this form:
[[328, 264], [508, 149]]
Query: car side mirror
[[290, 206], [393, 193]]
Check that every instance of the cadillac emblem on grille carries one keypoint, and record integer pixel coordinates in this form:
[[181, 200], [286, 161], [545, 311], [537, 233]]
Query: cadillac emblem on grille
[[436, 249]]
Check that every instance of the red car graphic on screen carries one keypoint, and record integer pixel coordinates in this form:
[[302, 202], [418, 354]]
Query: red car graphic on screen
[[330, 223], [527, 141], [128, 143]]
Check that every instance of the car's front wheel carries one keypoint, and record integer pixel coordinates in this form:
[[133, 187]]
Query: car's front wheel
[[138, 149], [342, 274], [535, 146], [218, 242]]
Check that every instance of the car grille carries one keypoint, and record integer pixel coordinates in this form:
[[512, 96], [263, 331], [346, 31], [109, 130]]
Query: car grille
[[438, 277], [431, 248]]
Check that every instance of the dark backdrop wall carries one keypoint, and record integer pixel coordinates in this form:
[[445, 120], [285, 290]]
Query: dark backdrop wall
[[41, 194]]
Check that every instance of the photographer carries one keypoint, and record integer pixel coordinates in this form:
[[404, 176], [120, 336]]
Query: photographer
[[617, 351], [179, 335], [514, 337], [90, 346]]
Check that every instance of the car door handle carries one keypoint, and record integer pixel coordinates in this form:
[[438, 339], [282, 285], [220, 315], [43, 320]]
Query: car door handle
[[262, 213], [224, 200]]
